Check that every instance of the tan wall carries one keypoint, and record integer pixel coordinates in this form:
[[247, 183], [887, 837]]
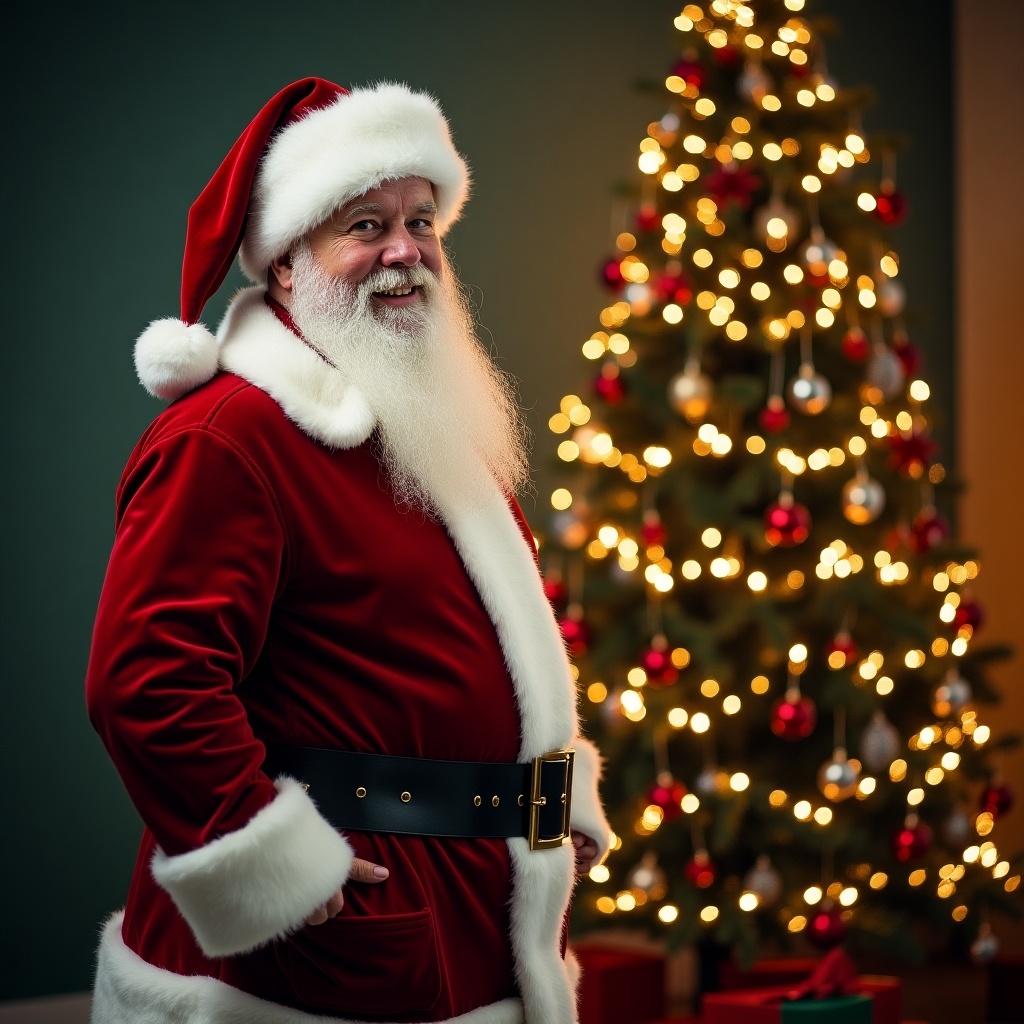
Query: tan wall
[[990, 350]]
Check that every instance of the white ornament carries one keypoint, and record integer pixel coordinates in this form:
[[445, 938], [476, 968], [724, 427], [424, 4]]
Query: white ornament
[[764, 881], [879, 743]]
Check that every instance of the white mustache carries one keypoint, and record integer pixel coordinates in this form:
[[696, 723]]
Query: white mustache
[[387, 278]]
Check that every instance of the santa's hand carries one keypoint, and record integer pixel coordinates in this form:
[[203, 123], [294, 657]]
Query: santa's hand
[[362, 871], [586, 852]]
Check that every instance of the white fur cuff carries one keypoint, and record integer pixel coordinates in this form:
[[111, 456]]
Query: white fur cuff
[[261, 882], [587, 814]]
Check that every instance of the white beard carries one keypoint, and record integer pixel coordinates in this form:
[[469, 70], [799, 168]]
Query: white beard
[[448, 424]]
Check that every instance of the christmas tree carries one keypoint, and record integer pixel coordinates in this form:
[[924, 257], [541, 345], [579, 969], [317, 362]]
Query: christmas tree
[[772, 626]]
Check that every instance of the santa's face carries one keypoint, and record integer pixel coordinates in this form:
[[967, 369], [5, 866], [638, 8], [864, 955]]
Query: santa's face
[[387, 228]]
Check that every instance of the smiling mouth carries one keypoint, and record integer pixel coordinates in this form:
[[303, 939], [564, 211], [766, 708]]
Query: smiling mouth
[[398, 293]]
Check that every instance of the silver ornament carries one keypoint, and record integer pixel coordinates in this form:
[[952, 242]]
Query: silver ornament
[[892, 297], [957, 829], [753, 82], [809, 392], [689, 393], [706, 784], [953, 695], [764, 881], [985, 946], [838, 778], [863, 500], [648, 877], [818, 252], [885, 372], [568, 528], [880, 743], [640, 296], [776, 208]]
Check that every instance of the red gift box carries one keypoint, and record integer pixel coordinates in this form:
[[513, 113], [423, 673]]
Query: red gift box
[[764, 973], [876, 1000], [620, 986]]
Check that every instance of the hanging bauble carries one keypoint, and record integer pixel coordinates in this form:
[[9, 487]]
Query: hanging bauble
[[863, 499], [700, 871], [657, 663], [911, 453], [611, 709], [647, 218], [667, 793], [689, 393], [786, 523], [856, 345], [968, 613], [777, 223], [647, 877], [928, 530], [956, 829], [985, 947], [793, 717], [885, 372], [640, 297], [841, 650], [817, 253], [892, 297], [732, 183], [898, 538], [706, 783], [673, 287], [754, 82], [727, 56], [952, 695], [569, 529], [690, 71], [838, 777], [652, 531], [609, 385], [556, 591], [611, 275], [809, 392], [574, 630], [909, 356], [912, 841], [996, 798], [774, 417], [825, 925], [880, 743], [764, 881], [890, 205]]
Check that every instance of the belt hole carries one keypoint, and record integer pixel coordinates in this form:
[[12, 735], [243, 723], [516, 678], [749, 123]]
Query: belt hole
[[495, 801], [477, 801], [361, 792], [406, 797]]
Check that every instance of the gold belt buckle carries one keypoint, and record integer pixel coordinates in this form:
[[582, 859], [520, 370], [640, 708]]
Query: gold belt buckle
[[537, 801]]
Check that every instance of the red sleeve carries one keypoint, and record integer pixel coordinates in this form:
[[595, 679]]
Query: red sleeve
[[197, 561]]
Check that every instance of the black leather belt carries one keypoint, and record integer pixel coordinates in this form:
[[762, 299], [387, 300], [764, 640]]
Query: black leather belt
[[418, 796]]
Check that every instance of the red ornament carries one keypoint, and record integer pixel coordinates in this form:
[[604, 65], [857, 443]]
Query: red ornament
[[786, 523], [910, 454], [793, 718], [891, 206], [996, 798], [556, 592], [610, 388], [700, 871], [909, 355], [898, 538], [856, 346], [611, 275], [825, 926], [969, 613], [667, 793], [673, 288], [653, 530], [733, 184], [928, 530], [574, 631], [657, 663], [774, 417], [647, 218], [912, 841], [727, 56], [841, 643], [690, 71]]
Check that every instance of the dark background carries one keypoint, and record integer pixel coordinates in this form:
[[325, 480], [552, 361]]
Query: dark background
[[115, 117]]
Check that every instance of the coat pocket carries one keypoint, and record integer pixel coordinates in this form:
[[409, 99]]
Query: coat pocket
[[377, 966]]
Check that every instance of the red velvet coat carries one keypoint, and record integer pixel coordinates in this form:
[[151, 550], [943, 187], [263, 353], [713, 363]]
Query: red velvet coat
[[264, 587]]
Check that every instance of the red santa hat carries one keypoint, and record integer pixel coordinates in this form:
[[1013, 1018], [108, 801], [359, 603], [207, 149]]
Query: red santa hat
[[310, 150]]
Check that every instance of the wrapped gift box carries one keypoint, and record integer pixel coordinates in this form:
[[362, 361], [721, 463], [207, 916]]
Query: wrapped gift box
[[764, 973], [620, 986], [877, 1001]]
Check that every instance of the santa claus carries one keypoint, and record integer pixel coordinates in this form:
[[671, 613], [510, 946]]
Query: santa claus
[[323, 663]]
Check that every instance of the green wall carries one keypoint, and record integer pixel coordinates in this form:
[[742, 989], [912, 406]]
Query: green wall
[[117, 114]]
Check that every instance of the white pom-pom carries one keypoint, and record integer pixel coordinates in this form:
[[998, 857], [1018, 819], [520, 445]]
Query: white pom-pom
[[172, 357]]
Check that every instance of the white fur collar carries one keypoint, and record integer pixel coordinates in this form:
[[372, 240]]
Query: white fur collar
[[255, 345]]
